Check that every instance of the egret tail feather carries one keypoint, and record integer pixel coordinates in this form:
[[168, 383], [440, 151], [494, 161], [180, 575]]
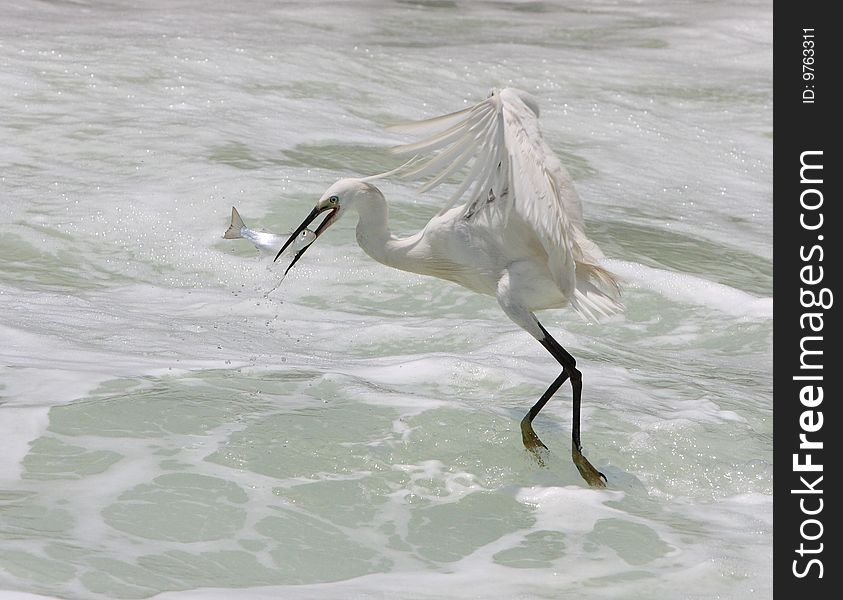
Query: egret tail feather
[[597, 292]]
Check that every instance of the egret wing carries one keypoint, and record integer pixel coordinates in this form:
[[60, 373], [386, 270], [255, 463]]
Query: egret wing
[[471, 137], [510, 173]]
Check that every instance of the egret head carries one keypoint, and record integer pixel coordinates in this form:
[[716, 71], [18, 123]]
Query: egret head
[[335, 202]]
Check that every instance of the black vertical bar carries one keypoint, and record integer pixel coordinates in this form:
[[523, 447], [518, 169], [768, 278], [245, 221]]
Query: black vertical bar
[[806, 161]]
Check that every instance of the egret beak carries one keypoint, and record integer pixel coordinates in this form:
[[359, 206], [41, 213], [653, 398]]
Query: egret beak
[[310, 218]]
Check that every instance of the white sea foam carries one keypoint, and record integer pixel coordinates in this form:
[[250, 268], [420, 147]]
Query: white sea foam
[[693, 290]]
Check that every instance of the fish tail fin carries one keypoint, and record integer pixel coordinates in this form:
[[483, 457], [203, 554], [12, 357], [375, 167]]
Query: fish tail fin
[[233, 231]]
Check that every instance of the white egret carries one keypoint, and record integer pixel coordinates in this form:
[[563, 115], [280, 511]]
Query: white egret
[[518, 235]]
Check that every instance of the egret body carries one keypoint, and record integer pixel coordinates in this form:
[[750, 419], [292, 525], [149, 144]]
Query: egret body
[[513, 229]]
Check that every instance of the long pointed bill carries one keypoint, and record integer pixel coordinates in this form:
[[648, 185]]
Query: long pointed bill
[[310, 218], [313, 214]]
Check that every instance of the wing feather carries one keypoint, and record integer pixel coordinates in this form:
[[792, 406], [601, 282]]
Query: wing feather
[[453, 157], [434, 124], [511, 173], [474, 138]]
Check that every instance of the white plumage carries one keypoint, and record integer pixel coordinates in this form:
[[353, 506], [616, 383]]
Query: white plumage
[[513, 229], [518, 189]]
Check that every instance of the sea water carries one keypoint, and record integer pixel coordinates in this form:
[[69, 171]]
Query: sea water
[[176, 424]]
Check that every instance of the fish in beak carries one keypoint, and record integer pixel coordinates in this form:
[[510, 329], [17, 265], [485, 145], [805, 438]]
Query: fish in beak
[[331, 209]]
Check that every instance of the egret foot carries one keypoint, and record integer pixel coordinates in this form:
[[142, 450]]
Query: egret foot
[[592, 476], [532, 442]]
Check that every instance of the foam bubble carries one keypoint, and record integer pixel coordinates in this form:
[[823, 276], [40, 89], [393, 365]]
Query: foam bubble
[[689, 289]]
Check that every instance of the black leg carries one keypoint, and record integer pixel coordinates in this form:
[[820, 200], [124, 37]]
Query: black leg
[[569, 371], [528, 435]]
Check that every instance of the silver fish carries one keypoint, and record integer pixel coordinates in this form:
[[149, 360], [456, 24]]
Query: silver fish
[[268, 243]]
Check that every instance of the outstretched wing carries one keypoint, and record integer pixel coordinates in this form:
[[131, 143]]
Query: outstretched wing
[[510, 173]]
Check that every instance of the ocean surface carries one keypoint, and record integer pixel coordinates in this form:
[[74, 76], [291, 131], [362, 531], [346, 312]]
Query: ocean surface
[[178, 423]]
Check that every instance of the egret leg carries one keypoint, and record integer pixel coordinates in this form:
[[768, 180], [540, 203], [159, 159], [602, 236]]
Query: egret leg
[[532, 442], [528, 435]]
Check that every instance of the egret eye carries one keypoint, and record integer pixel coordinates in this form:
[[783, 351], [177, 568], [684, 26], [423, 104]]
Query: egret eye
[[334, 200]]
